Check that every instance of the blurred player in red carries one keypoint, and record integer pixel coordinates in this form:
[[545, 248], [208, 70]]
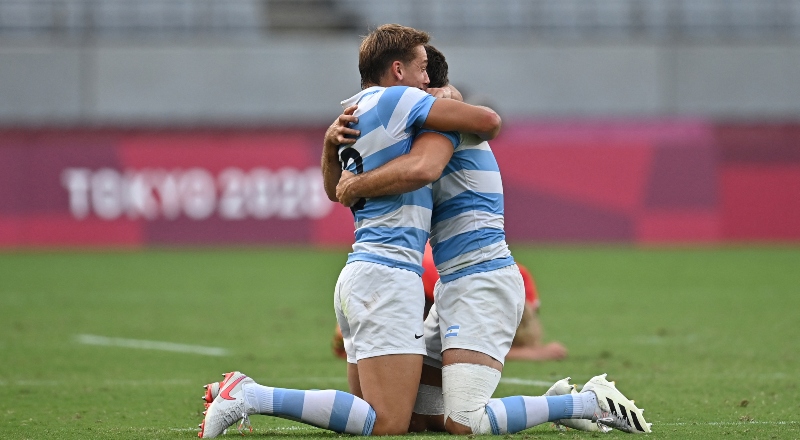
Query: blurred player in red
[[527, 344]]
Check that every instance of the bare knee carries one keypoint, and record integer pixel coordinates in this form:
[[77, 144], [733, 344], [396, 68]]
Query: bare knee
[[390, 426], [456, 428]]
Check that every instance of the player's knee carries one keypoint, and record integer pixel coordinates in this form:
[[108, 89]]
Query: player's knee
[[467, 389], [456, 428], [461, 422], [390, 423], [390, 426]]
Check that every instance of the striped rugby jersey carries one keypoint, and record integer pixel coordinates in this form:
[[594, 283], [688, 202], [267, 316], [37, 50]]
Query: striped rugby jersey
[[467, 233], [390, 230]]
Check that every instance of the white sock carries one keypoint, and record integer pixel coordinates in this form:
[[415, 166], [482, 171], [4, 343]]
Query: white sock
[[328, 409], [513, 414]]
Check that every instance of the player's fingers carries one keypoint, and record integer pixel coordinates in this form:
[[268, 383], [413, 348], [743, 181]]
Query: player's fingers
[[347, 119], [348, 131], [341, 196], [341, 140], [350, 110], [439, 93]]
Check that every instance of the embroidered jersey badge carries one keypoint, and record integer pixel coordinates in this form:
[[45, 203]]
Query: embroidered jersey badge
[[452, 331]]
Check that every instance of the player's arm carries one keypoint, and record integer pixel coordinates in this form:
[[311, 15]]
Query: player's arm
[[429, 154], [452, 115], [337, 134]]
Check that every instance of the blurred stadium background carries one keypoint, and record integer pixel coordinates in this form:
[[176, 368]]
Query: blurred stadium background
[[130, 123], [190, 131]]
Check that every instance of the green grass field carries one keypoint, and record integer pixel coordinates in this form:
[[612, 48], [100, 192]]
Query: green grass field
[[707, 340]]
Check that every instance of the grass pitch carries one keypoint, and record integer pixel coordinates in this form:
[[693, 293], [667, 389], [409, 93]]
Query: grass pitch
[[707, 340]]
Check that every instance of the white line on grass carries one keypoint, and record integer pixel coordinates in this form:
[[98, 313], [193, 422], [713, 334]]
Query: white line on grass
[[150, 345], [531, 382]]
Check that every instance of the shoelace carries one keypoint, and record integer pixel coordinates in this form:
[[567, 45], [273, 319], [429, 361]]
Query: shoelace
[[245, 422], [613, 421], [603, 428]]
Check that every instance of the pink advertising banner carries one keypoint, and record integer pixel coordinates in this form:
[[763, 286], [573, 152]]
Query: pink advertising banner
[[605, 181]]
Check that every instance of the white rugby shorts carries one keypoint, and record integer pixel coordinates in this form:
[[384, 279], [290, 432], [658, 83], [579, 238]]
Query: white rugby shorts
[[379, 309], [479, 312]]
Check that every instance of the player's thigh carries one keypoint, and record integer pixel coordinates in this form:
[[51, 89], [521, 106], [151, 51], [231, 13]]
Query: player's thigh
[[353, 380], [389, 384], [382, 308], [341, 295], [480, 312]]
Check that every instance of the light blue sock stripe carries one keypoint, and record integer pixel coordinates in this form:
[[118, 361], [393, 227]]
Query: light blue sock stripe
[[492, 421], [516, 417], [369, 423], [340, 411], [288, 403], [559, 407]]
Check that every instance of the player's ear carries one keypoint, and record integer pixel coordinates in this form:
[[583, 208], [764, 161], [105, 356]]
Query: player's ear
[[397, 70]]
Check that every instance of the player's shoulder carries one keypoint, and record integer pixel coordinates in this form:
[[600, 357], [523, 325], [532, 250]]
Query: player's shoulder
[[402, 95], [364, 95]]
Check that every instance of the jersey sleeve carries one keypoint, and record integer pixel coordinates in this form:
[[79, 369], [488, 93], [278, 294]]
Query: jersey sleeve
[[452, 136], [401, 108]]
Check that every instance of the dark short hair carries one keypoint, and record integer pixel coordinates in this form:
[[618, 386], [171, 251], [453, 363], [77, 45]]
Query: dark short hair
[[437, 67], [385, 45]]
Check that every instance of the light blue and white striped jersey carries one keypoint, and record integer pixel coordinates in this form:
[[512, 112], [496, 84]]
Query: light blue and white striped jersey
[[467, 233], [390, 230]]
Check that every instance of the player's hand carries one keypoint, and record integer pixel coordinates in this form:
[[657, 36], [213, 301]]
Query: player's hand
[[338, 132], [343, 192], [449, 92], [444, 92]]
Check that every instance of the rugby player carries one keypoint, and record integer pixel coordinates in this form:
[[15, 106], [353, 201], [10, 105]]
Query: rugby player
[[480, 296], [378, 298]]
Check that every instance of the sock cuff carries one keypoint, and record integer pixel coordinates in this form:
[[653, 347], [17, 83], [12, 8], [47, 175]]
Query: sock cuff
[[369, 423], [259, 397], [585, 405]]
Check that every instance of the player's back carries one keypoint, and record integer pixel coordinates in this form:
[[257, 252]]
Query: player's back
[[390, 230], [467, 233]]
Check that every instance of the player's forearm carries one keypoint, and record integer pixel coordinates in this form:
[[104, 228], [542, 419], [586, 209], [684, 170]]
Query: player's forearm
[[404, 174], [331, 170], [339, 133], [452, 115]]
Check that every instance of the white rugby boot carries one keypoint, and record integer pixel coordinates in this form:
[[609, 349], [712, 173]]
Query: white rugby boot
[[563, 387], [617, 411], [228, 407]]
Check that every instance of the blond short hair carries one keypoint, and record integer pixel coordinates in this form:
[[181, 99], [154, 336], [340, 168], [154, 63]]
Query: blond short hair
[[383, 46]]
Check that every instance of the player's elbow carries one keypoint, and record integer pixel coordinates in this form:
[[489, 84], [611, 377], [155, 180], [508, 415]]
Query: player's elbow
[[330, 191], [491, 124]]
